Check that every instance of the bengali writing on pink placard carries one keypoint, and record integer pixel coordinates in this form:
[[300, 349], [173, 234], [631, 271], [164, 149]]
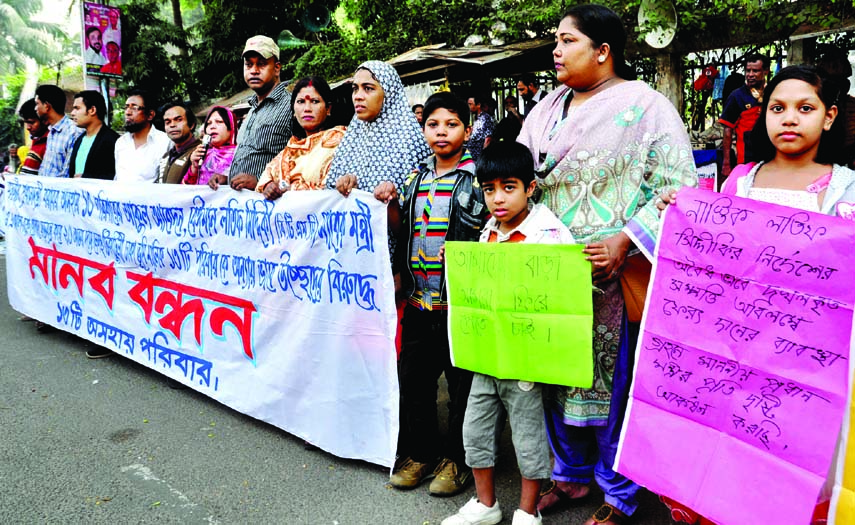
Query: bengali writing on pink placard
[[743, 361]]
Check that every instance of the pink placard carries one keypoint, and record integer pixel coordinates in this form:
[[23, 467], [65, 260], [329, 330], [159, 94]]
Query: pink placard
[[743, 362]]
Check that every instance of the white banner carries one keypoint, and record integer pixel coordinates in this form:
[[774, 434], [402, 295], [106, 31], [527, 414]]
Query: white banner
[[282, 311]]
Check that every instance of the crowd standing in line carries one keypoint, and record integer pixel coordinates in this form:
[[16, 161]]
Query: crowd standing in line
[[421, 162]]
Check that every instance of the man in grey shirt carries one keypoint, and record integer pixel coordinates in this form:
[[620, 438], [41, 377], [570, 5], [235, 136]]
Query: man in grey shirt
[[267, 127]]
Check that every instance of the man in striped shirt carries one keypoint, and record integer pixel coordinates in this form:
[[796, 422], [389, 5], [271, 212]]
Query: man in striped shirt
[[38, 136], [267, 127], [50, 106]]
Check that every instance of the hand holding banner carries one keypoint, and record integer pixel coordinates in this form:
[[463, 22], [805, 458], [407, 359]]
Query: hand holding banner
[[742, 367]]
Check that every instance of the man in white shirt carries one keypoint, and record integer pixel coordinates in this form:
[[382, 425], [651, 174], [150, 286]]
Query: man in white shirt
[[138, 152], [92, 55]]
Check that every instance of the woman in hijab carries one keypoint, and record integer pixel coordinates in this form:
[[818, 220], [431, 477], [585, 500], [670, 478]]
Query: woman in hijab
[[384, 141], [215, 157]]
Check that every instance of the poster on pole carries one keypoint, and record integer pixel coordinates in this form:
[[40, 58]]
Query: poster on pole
[[742, 367], [283, 311], [102, 40]]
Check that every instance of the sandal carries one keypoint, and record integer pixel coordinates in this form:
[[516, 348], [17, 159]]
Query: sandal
[[553, 497], [608, 514]]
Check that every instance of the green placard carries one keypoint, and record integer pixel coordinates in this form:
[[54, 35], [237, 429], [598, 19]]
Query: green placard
[[521, 311]]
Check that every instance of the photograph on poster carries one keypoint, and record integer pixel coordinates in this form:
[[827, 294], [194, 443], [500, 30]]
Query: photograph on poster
[[102, 40]]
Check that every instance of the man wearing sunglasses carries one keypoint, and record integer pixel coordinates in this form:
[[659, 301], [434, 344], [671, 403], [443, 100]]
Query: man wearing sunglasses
[[139, 150]]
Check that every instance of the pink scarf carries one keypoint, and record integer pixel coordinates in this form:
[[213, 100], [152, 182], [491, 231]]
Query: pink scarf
[[219, 159]]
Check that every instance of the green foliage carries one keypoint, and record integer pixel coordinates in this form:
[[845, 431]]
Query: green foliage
[[224, 30], [216, 31], [146, 60], [25, 38], [10, 129]]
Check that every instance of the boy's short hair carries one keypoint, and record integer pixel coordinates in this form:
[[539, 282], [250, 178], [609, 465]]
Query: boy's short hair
[[505, 161], [53, 95], [446, 100], [28, 110]]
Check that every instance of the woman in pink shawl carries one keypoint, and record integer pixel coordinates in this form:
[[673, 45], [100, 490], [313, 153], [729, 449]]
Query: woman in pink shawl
[[217, 156], [604, 146]]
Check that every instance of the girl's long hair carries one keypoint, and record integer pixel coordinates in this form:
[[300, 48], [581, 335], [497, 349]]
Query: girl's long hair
[[831, 149]]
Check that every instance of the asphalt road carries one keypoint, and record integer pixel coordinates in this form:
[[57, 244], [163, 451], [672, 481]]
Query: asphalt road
[[107, 441]]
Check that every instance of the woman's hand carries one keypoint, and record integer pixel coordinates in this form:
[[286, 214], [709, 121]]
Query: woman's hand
[[272, 191], [243, 181], [196, 156], [385, 192], [607, 257], [346, 183], [441, 254], [664, 199], [217, 179]]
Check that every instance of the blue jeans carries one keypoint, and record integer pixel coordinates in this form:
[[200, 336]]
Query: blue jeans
[[583, 454]]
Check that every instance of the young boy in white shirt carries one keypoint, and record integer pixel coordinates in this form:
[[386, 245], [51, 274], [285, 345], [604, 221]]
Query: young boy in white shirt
[[505, 173]]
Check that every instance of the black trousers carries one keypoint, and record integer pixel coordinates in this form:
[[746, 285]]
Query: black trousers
[[424, 357]]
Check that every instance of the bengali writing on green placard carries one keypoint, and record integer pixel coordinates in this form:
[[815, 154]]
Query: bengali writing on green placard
[[521, 311]]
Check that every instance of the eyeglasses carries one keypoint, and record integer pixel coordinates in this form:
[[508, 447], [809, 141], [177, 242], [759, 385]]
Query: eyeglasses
[[133, 107]]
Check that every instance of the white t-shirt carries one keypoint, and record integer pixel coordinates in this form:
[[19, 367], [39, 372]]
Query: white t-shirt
[[140, 164]]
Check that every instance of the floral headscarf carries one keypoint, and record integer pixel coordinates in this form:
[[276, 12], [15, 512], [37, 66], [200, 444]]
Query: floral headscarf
[[387, 148]]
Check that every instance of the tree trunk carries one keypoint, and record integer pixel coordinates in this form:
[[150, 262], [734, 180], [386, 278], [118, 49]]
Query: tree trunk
[[669, 74], [179, 23]]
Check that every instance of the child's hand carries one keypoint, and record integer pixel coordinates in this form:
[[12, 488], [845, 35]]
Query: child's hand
[[346, 183], [441, 254], [664, 199], [385, 192]]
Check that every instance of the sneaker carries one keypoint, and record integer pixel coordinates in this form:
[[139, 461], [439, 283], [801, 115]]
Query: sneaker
[[98, 352], [476, 513], [522, 517], [411, 474], [450, 479]]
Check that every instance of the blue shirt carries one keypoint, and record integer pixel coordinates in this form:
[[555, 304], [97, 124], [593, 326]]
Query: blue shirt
[[60, 142], [83, 154]]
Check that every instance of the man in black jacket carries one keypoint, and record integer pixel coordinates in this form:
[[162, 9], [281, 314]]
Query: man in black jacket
[[93, 154]]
